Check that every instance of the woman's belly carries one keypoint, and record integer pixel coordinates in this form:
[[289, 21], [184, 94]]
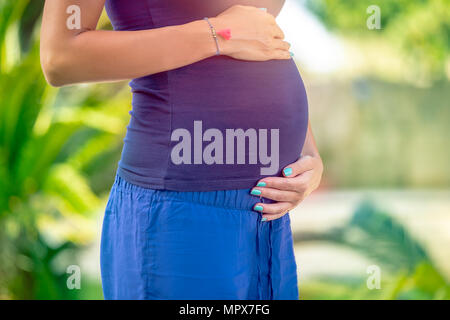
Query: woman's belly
[[216, 124]]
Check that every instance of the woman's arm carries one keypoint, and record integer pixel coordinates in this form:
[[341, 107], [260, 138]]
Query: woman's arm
[[87, 55], [300, 179]]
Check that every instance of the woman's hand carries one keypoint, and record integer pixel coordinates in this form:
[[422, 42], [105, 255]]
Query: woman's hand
[[255, 35], [71, 56], [300, 179]]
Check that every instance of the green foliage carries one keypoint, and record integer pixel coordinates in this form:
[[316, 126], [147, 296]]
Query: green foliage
[[378, 236], [58, 150], [408, 271], [421, 29], [48, 138]]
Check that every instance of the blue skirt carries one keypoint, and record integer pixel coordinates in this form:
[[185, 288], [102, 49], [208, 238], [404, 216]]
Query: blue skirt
[[160, 244]]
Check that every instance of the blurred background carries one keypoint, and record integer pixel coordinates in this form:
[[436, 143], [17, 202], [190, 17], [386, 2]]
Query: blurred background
[[378, 227]]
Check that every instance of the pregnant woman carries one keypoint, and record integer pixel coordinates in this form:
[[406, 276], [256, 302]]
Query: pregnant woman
[[217, 151]]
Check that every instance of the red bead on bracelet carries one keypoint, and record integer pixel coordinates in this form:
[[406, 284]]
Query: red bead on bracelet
[[225, 33]]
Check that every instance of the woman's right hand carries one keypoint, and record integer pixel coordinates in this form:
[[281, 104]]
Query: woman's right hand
[[255, 35]]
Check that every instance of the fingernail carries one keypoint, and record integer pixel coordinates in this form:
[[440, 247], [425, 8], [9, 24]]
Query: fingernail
[[264, 219], [261, 184], [291, 53], [287, 171], [258, 208], [255, 192]]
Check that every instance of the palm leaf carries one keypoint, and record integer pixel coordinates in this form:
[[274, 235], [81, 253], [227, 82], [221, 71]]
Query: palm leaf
[[377, 235]]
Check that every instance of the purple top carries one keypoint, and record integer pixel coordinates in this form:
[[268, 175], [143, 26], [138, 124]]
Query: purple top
[[216, 124]]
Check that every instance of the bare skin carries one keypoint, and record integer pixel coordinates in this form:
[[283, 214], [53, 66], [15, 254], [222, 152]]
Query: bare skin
[[90, 55], [290, 190]]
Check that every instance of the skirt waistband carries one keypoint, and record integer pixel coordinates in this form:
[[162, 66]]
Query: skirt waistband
[[238, 199]]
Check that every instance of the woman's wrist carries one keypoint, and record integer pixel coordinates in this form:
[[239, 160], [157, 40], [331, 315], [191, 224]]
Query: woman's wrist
[[203, 39], [224, 45], [199, 34]]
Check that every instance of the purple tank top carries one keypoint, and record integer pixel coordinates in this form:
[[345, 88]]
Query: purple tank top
[[217, 124]]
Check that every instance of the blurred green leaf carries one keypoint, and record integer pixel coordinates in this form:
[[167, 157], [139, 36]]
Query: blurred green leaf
[[46, 199], [411, 273], [419, 28]]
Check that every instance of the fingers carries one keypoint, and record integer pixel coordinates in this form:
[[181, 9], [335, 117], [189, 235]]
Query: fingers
[[262, 38], [277, 32], [288, 192], [272, 211], [270, 217], [282, 183], [274, 194], [280, 55], [282, 45], [303, 164], [279, 49]]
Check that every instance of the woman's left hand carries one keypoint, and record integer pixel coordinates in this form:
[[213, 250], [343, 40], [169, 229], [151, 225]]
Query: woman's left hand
[[299, 180]]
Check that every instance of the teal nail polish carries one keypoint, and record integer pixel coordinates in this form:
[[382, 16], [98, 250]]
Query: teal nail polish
[[287, 171], [255, 192], [291, 53], [261, 184], [258, 208], [264, 219]]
